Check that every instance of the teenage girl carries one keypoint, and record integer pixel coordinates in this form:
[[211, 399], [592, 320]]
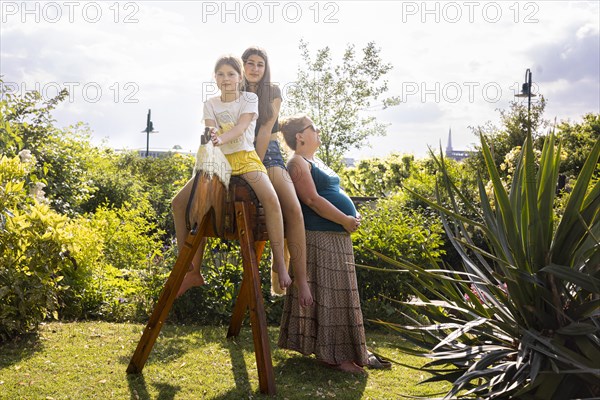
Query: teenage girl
[[258, 80]]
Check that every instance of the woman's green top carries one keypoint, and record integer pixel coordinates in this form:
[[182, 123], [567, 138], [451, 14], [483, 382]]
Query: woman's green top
[[327, 183]]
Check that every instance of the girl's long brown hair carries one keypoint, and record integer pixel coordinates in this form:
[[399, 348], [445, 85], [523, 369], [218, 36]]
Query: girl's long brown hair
[[265, 90]]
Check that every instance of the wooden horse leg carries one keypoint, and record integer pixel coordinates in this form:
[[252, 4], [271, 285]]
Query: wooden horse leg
[[241, 303], [258, 318], [165, 302]]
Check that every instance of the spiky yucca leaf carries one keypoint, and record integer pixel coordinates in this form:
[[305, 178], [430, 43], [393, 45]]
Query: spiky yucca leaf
[[519, 318]]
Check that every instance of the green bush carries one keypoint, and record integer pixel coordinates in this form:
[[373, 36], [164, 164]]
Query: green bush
[[424, 183], [32, 245], [112, 278], [160, 179], [377, 177], [91, 266], [63, 157], [222, 268], [33, 241], [113, 185], [390, 228]]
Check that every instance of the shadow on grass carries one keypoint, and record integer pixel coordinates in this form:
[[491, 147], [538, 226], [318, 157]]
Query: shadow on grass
[[237, 346], [174, 341], [139, 391], [295, 373], [20, 349], [292, 374]]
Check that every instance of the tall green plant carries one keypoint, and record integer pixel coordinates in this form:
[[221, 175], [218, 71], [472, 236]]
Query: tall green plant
[[521, 318]]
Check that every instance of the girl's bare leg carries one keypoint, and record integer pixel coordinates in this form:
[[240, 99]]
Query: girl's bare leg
[[179, 204], [294, 230], [266, 194]]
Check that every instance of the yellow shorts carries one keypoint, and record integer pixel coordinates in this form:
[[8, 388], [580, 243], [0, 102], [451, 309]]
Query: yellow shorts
[[243, 162]]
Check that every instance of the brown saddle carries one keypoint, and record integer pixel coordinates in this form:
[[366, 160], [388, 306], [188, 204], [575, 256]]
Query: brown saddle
[[209, 199]]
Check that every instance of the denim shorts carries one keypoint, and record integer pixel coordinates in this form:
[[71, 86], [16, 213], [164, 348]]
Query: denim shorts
[[273, 157]]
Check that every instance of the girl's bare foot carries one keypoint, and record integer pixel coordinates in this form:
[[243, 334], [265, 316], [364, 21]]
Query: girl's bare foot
[[191, 279], [304, 296], [284, 278]]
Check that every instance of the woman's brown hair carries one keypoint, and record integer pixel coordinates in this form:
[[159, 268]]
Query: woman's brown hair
[[289, 127]]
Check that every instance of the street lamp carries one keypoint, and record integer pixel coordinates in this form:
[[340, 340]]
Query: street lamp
[[526, 92], [149, 129]]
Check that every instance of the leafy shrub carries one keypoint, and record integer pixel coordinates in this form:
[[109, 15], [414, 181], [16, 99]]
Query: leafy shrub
[[160, 178], [33, 240], [377, 177], [391, 229], [222, 268], [577, 140], [423, 184], [113, 186], [63, 157], [112, 278]]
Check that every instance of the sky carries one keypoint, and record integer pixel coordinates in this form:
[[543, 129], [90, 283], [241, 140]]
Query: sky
[[455, 63]]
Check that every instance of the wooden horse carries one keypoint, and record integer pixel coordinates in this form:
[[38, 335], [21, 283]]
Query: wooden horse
[[233, 213]]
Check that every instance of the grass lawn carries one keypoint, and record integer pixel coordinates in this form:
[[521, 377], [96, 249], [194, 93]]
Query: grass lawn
[[87, 360]]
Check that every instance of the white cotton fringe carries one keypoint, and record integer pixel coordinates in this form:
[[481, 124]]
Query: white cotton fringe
[[211, 161]]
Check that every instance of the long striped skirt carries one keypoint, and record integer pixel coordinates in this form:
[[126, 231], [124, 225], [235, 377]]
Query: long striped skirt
[[332, 328]]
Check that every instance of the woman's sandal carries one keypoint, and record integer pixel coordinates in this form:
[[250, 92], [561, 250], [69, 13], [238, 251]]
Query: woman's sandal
[[375, 361]]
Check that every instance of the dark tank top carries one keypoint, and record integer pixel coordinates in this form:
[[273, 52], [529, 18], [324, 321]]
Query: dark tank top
[[327, 183]]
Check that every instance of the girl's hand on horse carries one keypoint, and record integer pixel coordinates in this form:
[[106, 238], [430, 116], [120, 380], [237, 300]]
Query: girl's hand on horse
[[214, 138]]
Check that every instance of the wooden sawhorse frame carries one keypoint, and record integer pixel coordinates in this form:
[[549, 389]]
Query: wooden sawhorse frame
[[217, 209]]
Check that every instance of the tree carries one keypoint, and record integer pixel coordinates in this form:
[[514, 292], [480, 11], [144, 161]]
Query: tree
[[515, 126], [338, 97], [577, 140], [160, 178], [63, 156], [377, 177]]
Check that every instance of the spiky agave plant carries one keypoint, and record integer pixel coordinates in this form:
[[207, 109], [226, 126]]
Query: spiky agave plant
[[520, 318]]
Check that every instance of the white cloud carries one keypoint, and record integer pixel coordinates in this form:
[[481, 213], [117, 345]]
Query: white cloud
[[463, 68]]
